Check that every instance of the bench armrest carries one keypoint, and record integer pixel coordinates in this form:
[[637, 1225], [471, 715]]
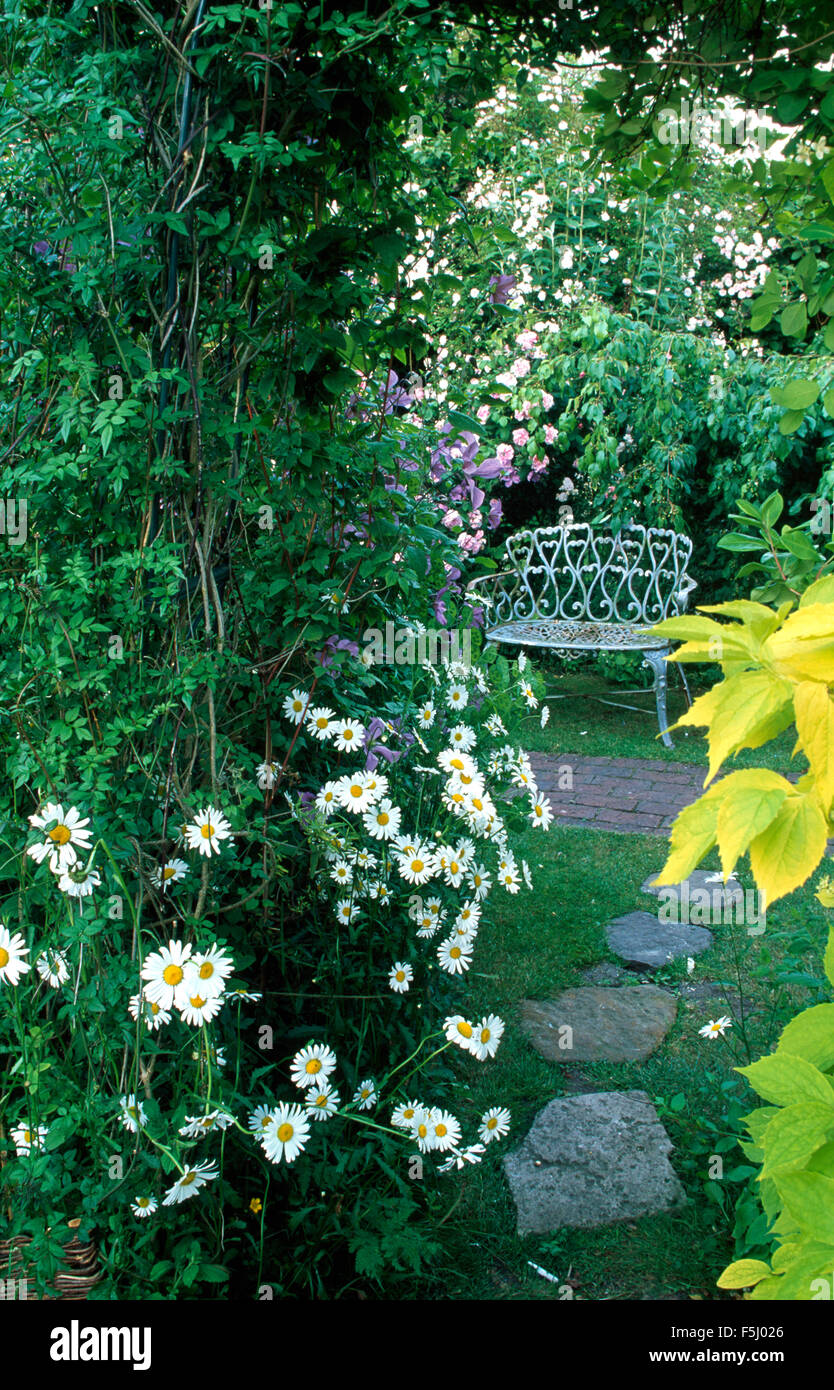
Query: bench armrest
[[496, 592], [684, 591]]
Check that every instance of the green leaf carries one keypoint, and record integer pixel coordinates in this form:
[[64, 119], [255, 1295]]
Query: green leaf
[[828, 402], [796, 1133], [811, 1036], [465, 422], [797, 394], [785, 1078], [809, 1197], [791, 421], [794, 320]]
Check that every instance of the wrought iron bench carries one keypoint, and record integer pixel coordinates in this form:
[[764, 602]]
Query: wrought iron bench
[[572, 589]]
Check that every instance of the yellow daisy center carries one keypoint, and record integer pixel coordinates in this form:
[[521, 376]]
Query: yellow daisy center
[[464, 1028], [321, 1100], [197, 1002], [454, 867], [408, 1113], [206, 970], [188, 1178], [168, 872], [172, 974], [322, 723], [457, 763], [422, 1130], [455, 952], [400, 976], [207, 830], [143, 1201], [27, 1136], [154, 1009], [355, 789], [61, 835], [417, 866], [486, 1034], [440, 1130], [313, 1066], [4, 957], [285, 1133], [383, 818], [492, 1122], [347, 733]]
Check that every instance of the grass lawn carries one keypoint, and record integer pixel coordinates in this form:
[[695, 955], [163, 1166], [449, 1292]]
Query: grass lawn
[[533, 946]]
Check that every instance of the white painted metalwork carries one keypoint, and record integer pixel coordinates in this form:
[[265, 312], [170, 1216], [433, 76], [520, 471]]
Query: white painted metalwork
[[571, 588]]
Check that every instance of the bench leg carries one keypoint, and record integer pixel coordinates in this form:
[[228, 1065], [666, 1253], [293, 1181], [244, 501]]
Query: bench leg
[[657, 661]]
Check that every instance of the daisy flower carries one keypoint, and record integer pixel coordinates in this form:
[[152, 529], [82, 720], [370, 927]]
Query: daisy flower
[[716, 1028], [133, 1115], [445, 1130], [288, 1133], [495, 1124], [319, 722], [349, 734], [207, 830], [172, 871], [63, 836], [267, 772], [382, 821], [52, 967], [522, 778], [12, 952], [541, 813], [346, 911], [327, 799], [143, 1207], [342, 872], [365, 1096], [164, 973], [312, 1065], [486, 1037], [454, 761], [529, 695], [462, 737], [455, 955], [427, 715], [210, 970], [457, 696], [461, 1156], [260, 1119], [322, 1101], [78, 882], [190, 1182], [525, 870], [419, 866], [495, 726], [377, 785], [545, 715], [522, 663], [380, 892], [197, 1125], [25, 1139], [295, 705], [509, 878], [403, 1116], [200, 1006], [365, 860], [153, 1014], [353, 792], [422, 1129], [480, 881], [460, 1031], [400, 977]]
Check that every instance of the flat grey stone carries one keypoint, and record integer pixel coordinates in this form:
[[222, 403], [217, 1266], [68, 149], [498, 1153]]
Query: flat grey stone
[[640, 939], [704, 899], [594, 1024], [590, 1161]]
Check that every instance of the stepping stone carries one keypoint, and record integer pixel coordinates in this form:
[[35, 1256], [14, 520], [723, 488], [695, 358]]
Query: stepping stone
[[704, 898], [641, 940], [590, 1161], [594, 1024]]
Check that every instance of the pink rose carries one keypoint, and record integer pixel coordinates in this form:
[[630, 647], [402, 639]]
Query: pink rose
[[523, 412], [482, 413], [520, 437], [452, 518], [527, 340], [475, 520], [505, 453], [520, 368], [547, 400], [472, 543], [550, 434], [538, 465]]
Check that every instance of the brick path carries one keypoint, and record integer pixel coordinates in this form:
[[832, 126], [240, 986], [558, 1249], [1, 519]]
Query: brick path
[[620, 794]]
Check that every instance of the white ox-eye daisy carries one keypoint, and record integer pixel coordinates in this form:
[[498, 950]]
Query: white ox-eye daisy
[[198, 1006], [13, 950], [63, 835], [172, 871], [190, 1183], [312, 1065], [207, 830], [153, 1013], [400, 977], [25, 1139], [322, 1101], [52, 967], [495, 1124], [287, 1134], [209, 970], [164, 974], [143, 1207], [349, 734], [295, 705]]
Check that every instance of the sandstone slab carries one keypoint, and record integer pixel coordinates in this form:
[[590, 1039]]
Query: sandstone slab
[[704, 899], [590, 1161], [642, 940], [595, 1024]]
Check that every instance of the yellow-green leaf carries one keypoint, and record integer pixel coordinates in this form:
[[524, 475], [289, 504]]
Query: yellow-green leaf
[[828, 958], [787, 852], [743, 1274], [803, 648], [745, 701], [691, 837], [785, 1078], [751, 801], [821, 591], [815, 727], [796, 1133], [809, 1198], [811, 1036]]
